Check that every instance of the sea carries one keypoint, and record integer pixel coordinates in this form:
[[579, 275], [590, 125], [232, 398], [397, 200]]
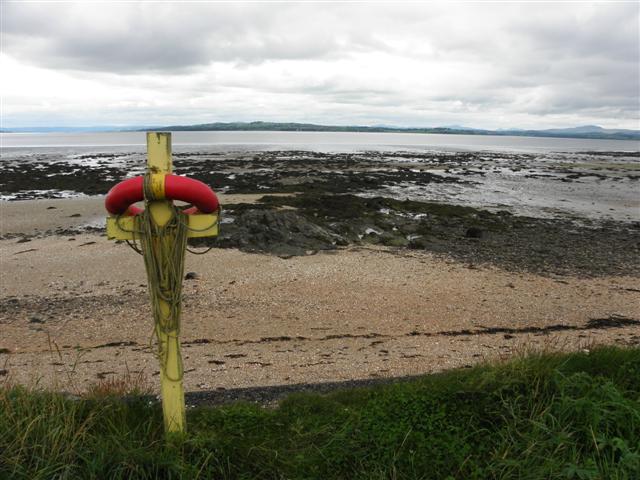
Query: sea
[[313, 141]]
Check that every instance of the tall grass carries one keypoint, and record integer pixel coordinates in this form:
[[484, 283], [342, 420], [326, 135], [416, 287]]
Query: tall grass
[[569, 416]]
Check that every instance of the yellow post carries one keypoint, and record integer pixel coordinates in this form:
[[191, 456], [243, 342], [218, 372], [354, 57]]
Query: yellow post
[[172, 390], [162, 283]]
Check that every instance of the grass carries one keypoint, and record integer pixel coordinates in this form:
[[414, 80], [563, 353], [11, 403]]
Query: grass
[[569, 416]]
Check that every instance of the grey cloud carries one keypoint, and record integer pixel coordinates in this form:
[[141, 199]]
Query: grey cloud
[[157, 37], [599, 31], [534, 59]]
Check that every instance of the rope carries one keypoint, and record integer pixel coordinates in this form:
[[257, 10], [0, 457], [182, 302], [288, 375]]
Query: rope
[[191, 229], [133, 246], [194, 252], [163, 249], [183, 219]]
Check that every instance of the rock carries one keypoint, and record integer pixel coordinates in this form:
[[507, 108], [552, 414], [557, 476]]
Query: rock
[[391, 240], [283, 233], [419, 243], [474, 232], [372, 238]]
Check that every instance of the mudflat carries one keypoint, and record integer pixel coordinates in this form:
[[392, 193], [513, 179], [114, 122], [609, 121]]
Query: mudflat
[[74, 308]]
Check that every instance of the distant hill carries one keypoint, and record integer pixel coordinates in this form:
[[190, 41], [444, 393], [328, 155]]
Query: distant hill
[[590, 129], [576, 132], [586, 131]]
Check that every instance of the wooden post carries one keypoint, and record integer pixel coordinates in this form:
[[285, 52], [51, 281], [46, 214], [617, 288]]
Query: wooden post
[[129, 227], [172, 390]]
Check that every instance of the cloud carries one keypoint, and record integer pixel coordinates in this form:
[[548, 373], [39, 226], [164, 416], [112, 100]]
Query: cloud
[[490, 65], [132, 38]]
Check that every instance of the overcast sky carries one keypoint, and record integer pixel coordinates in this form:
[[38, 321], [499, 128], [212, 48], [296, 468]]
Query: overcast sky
[[487, 65]]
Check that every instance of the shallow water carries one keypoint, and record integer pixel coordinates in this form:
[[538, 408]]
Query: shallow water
[[542, 186]]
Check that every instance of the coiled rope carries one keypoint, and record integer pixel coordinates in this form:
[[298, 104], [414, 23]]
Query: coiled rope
[[163, 249]]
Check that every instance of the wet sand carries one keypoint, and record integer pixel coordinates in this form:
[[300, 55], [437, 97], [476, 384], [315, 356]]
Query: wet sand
[[74, 310]]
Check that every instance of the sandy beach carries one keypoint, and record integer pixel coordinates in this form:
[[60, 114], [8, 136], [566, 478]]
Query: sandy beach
[[74, 309]]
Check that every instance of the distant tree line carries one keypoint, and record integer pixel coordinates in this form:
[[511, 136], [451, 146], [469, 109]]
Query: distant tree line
[[310, 127]]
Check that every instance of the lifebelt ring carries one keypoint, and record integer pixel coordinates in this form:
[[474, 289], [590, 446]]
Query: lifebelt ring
[[121, 197]]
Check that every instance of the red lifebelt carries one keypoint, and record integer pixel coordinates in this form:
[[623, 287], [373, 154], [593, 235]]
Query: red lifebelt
[[121, 197]]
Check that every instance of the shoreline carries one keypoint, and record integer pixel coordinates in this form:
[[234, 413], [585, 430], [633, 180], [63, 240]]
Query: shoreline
[[74, 311], [546, 185], [294, 224], [329, 267]]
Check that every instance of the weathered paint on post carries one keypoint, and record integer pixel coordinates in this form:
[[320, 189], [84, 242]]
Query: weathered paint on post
[[172, 389], [124, 228]]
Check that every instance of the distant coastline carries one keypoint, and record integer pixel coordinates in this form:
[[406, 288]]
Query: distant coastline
[[588, 132]]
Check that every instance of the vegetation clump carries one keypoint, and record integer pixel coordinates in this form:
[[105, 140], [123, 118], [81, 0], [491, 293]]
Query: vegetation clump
[[574, 416]]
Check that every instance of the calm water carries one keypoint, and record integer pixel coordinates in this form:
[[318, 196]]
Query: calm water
[[317, 141]]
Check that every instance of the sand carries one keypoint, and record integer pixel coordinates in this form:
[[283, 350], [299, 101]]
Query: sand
[[74, 310]]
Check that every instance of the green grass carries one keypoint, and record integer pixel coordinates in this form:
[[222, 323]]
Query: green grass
[[569, 416]]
